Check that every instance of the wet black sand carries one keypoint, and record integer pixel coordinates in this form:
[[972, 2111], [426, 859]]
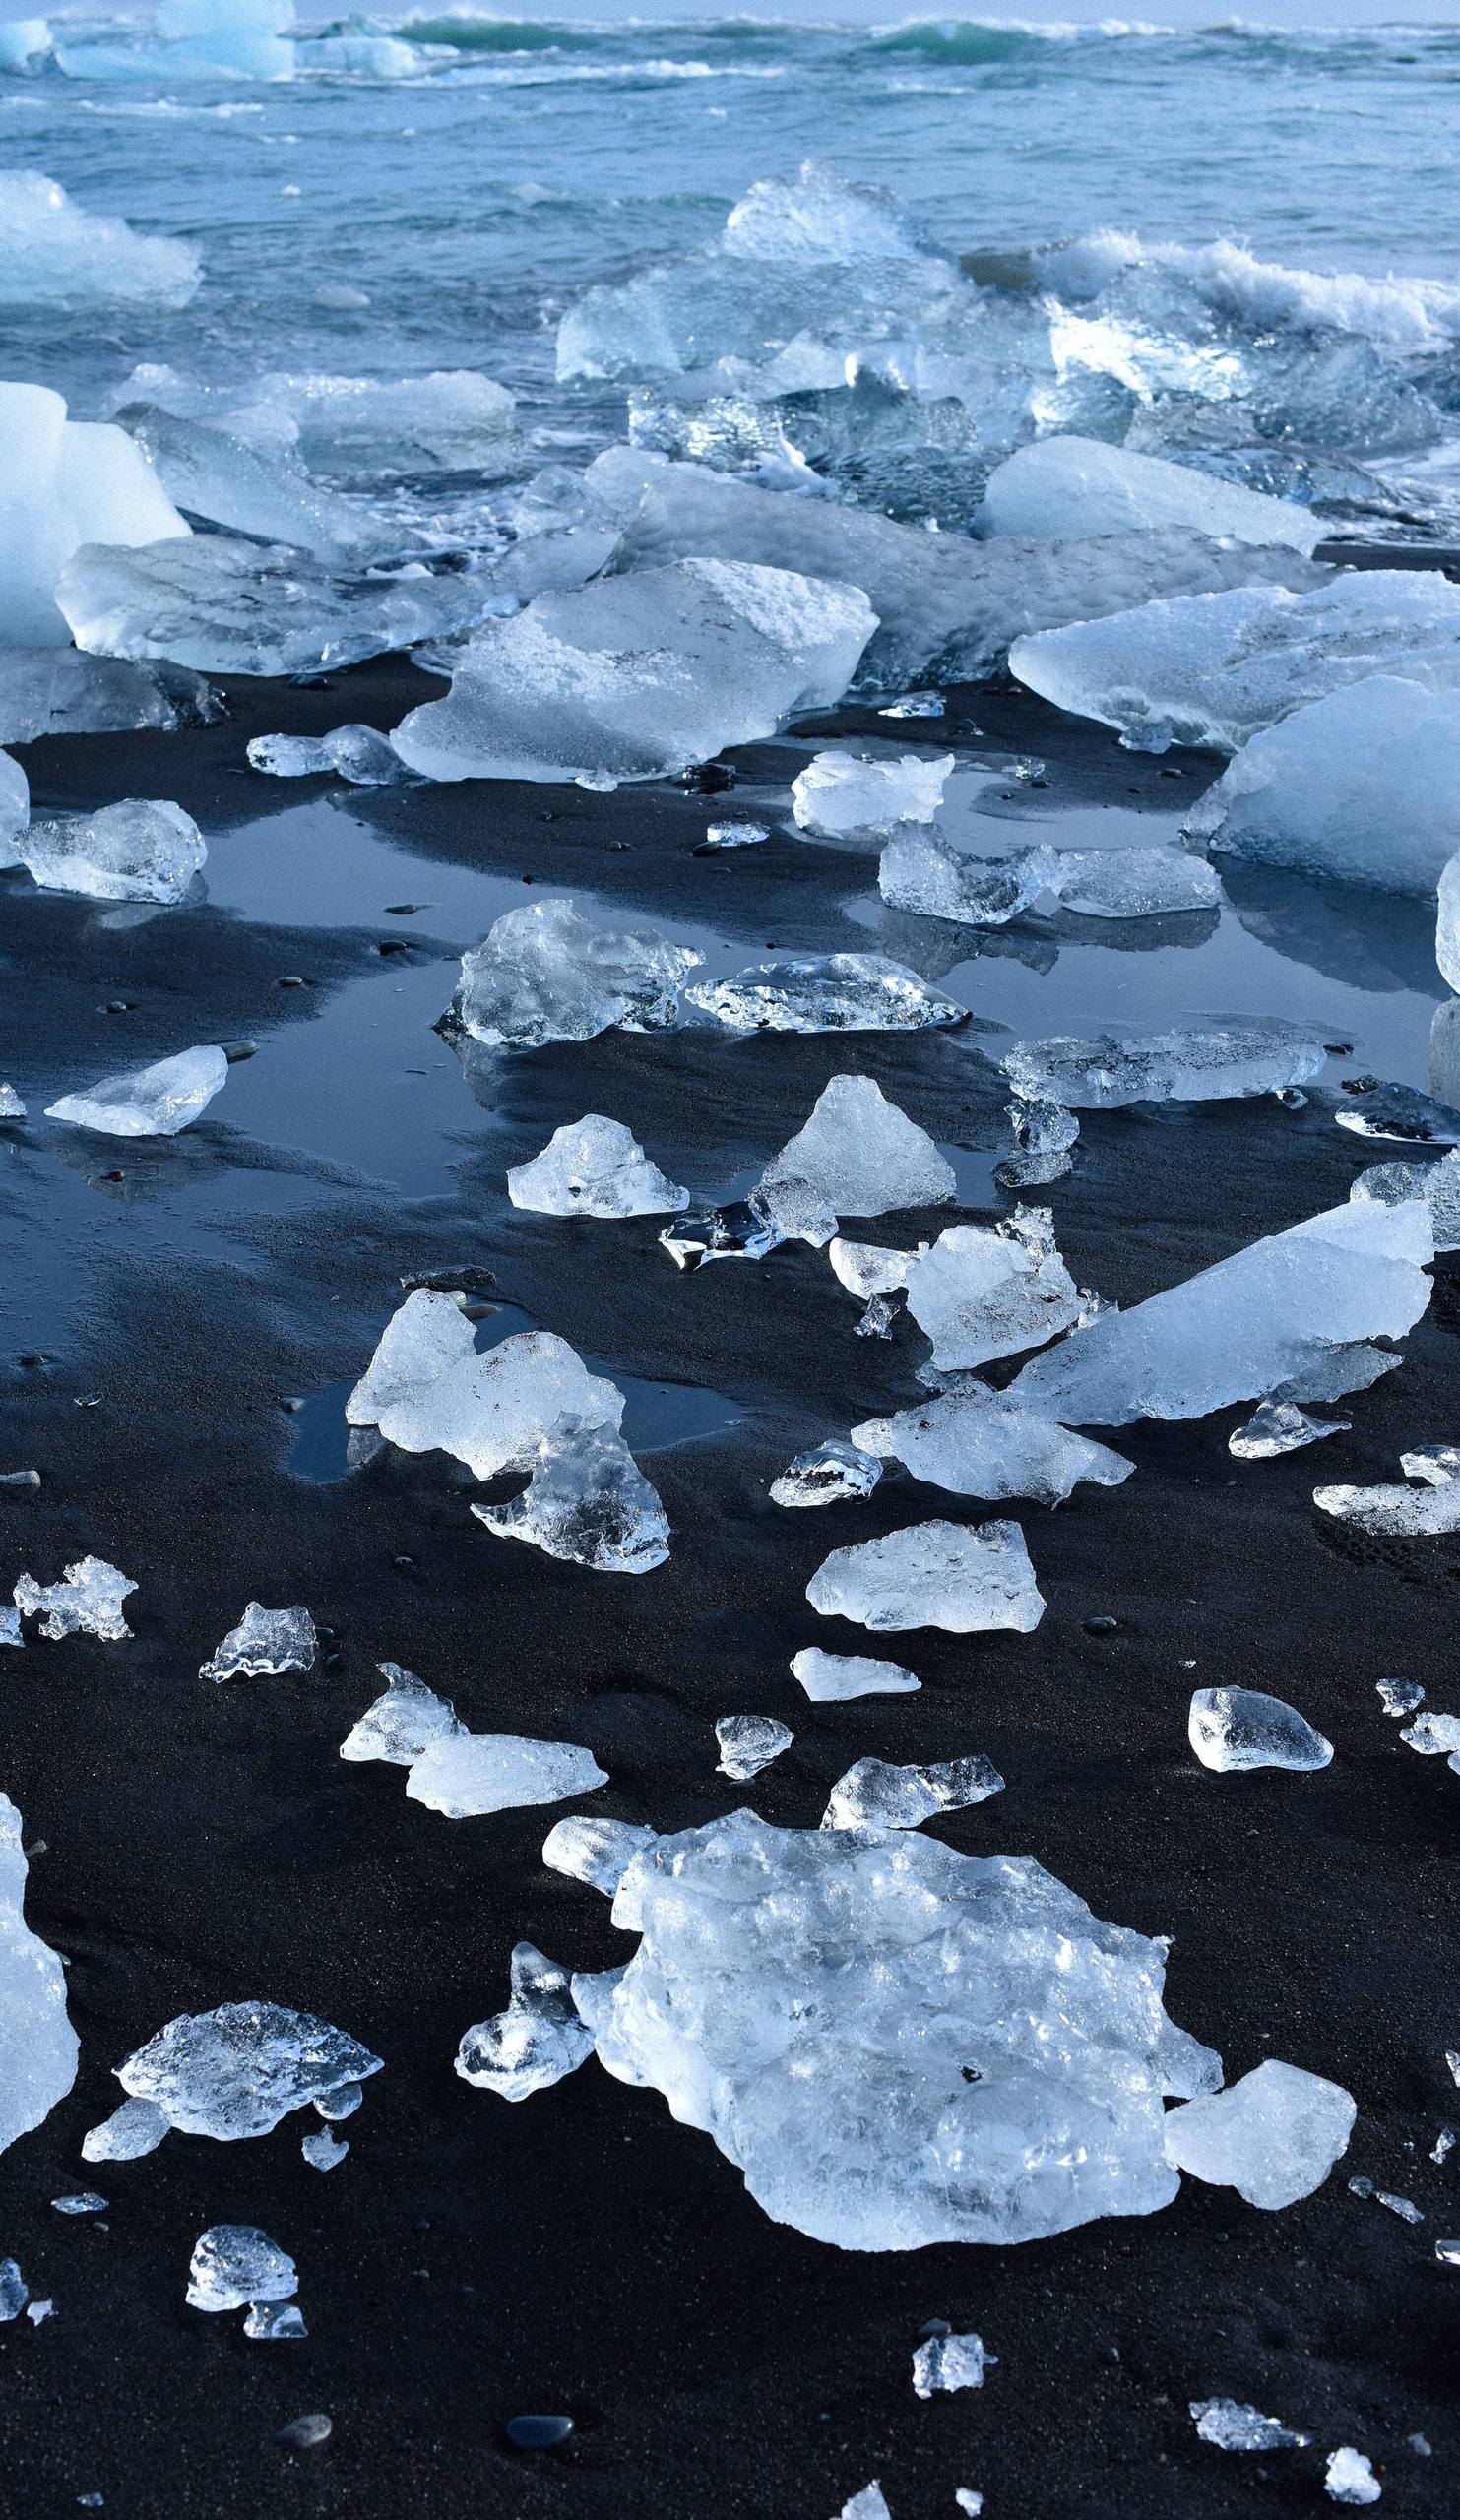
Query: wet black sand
[[473, 2260]]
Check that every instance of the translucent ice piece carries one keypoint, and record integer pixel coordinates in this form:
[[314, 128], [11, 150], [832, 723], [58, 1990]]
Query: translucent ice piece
[[263, 1644], [59, 691], [749, 1743], [535, 2042], [1134, 883], [1422, 1511], [919, 872], [863, 1155], [11, 1106], [1043, 1135], [745, 1229], [38, 2047], [598, 1852], [152, 1102], [588, 1501], [867, 1269], [54, 253], [1437, 1185], [466, 1778], [236, 2071], [986, 1292], [1274, 2136], [422, 1342], [1399, 1698], [15, 2292], [1350, 2478], [452, 420], [826, 1475], [826, 993], [1193, 1063], [1281, 1426], [873, 1796], [323, 2151], [546, 974], [494, 1412], [949, 2362], [87, 1601], [932, 1575], [134, 2130], [85, 2201], [837, 794], [213, 474], [869, 2504], [1432, 1734], [339, 2104], [593, 1168], [1230, 2426], [975, 1442], [829, 1677], [400, 1722], [360, 755], [1388, 1111], [1061, 486], [274, 2322], [234, 2264], [142, 851], [798, 1209], [1237, 1728]]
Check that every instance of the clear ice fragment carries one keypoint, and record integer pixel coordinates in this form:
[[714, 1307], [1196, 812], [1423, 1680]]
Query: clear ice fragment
[[1281, 1426], [975, 1442], [1134, 883], [934, 879], [744, 1231], [945, 1575], [863, 1155], [336, 2106], [464, 1777], [749, 1743], [322, 2150], [1399, 1698], [1274, 2136], [1424, 1510], [1045, 1134], [1231, 1729], [596, 1852], [1192, 1063], [153, 1101], [360, 755], [263, 1644], [1359, 788], [82, 2201], [838, 794], [535, 2042], [593, 1168], [1066, 486], [1231, 2427], [142, 851], [136, 2129], [88, 1602], [234, 2264], [867, 1269], [830, 1677], [875, 1796], [546, 974], [236, 2071], [949, 2362], [15, 2292], [38, 2047], [1434, 1736], [826, 1475], [586, 1501], [987, 1291], [1350, 2478], [826, 993], [400, 1722], [276, 2322]]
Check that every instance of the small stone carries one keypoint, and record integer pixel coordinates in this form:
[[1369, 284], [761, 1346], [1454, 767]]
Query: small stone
[[539, 2431], [1101, 1625], [304, 2433]]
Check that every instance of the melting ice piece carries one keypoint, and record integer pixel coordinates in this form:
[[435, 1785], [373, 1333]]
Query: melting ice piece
[[236, 2071], [869, 1268], [323, 2151], [975, 1442], [274, 2321], [400, 1722], [873, 1796], [1434, 1736], [85, 2201], [1134, 883], [535, 2042], [749, 1743], [744, 1231], [1274, 2136], [639, 677], [14, 2292], [969, 2500], [1231, 2427], [932, 1575], [1437, 1185], [593, 1168], [586, 1501], [597, 1851], [38, 2047], [1389, 1110], [142, 851], [466, 1778], [87, 1601], [1043, 1135], [826, 993], [1237, 1729], [919, 872], [212, 473], [829, 1677], [1281, 1426], [1423, 1511], [263, 1644], [1061, 486], [152, 1103], [1215, 668], [68, 482], [863, 1155], [1350, 2478], [895, 2043], [453, 421], [233, 2265], [1192, 1063], [493, 1411], [54, 253], [339, 2104], [826, 1475], [134, 2130], [11, 1106], [546, 974], [731, 835], [796, 1210], [1399, 1698], [421, 1342], [869, 2504], [986, 1292], [58, 691], [360, 755], [1288, 1314], [837, 793], [949, 2362]]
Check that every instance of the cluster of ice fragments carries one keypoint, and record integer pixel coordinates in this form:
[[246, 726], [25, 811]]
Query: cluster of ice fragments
[[231, 2073]]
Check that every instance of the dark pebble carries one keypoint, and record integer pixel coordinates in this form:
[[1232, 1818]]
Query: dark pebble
[[292, 979], [1104, 1626], [236, 1053], [539, 2431], [403, 909], [304, 2433]]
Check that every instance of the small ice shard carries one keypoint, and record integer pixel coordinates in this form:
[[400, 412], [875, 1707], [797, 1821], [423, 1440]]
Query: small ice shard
[[837, 794], [1399, 1698], [830, 1677], [1437, 1185], [1350, 2478], [744, 1231], [1397, 1111], [37, 2312], [826, 993], [1274, 2136], [797, 1211], [464, 1778], [875, 1796], [596, 1852], [721, 836], [975, 1442], [1401, 2206], [1281, 1426], [863, 1155], [359, 754], [1066, 486], [586, 1501], [1424, 1510], [88, 1602], [234, 2264], [400, 1723], [949, 2362], [969, 2498], [593, 1168], [876, 1320], [1043, 1135], [1135, 883], [1231, 2427], [236, 2071], [134, 2130], [82, 2201], [11, 1106], [263, 1644], [987, 1291], [869, 2504], [935, 879], [1231, 1729], [932, 1575], [826, 1475], [1443, 2144], [212, 473], [1434, 1736], [15, 2292], [546, 974], [10, 1626], [867, 1269], [1448, 2253], [276, 2322], [535, 2042], [153, 1101], [1192, 1063], [323, 2151], [38, 2047], [421, 1344], [1361, 787], [142, 851], [338, 2105], [749, 1743]]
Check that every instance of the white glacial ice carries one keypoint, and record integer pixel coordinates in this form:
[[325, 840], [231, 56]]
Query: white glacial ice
[[1350, 2478], [1229, 2425], [398, 1724], [234, 2265], [427, 1389], [944, 1575], [593, 1168], [863, 1155], [1233, 1730], [53, 253], [467, 1775], [830, 1677], [991, 1290], [949, 2362], [841, 794], [973, 1442], [749, 1743], [546, 974], [146, 850], [535, 2042], [39, 2048], [597, 1851], [236, 2071], [88, 1602], [1067, 485], [1274, 2136], [150, 1102]]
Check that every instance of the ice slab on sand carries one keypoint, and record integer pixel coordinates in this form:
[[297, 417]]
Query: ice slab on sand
[[826, 1475], [360, 755], [874, 1795], [39, 2048], [134, 2130], [813, 1998], [826, 993], [535, 2042], [1134, 883], [53, 253], [922, 873], [1291, 1315], [322, 2150], [1274, 2136], [153, 1101], [546, 974], [828, 1679], [88, 1602], [932, 1575], [586, 1501], [975, 1442], [1064, 486], [1427, 1508], [749, 1743], [1231, 2427], [596, 1852], [839, 793], [400, 1722], [59, 691], [146, 850], [464, 1776], [68, 483], [949, 2362], [236, 2071], [491, 1410], [983, 1291], [234, 2265], [1279, 1426], [863, 1155], [263, 1644], [1211, 1062], [1043, 1135], [867, 1269], [1233, 1730], [425, 1339], [593, 1168], [635, 677]]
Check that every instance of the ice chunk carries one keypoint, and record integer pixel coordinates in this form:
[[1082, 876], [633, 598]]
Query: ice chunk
[[863, 1155], [1214, 670], [425, 1341], [464, 1778], [831, 1678], [135, 2129], [1237, 1728], [546, 974], [535, 2042], [796, 1210], [588, 1501], [869, 2504], [1350, 2478], [634, 677], [1430, 1506], [11, 1106], [933, 879], [1134, 883], [152, 1102], [1043, 1135], [24, 43], [975, 1442], [360, 755], [1231, 2427], [1399, 1697], [400, 1722], [873, 1796], [593, 1168], [38, 2047], [1359, 788], [1434, 1736], [58, 691], [88, 1602], [826, 1475], [453, 421], [339, 2104], [15, 2292], [494, 1412], [263, 1644], [895, 2043], [15, 809], [867, 1269], [1376, 1110], [826, 993], [1274, 2136], [839, 794], [84, 2201], [212, 474], [234, 2265], [1192, 1063], [969, 2500], [932, 1575], [68, 483], [745, 1229], [144, 851], [749, 1743], [949, 2362], [55, 254], [272, 2321], [236, 2071], [738, 835], [598, 1852], [1279, 1426], [1289, 1315], [984, 1292], [1062, 486]]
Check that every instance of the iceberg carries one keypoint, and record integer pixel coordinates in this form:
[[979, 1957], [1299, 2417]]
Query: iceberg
[[152, 1103], [546, 974], [1064, 486], [1213, 1062], [1233, 1730], [945, 1575], [467, 1776], [838, 794], [984, 1292], [262, 1644], [829, 1678], [826, 993], [39, 2048], [862, 1154], [749, 1743], [1274, 2136], [237, 2071], [975, 1442], [70, 482], [874, 1795], [535, 2042], [194, 39], [53, 254], [593, 1168], [586, 1501], [146, 850]]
